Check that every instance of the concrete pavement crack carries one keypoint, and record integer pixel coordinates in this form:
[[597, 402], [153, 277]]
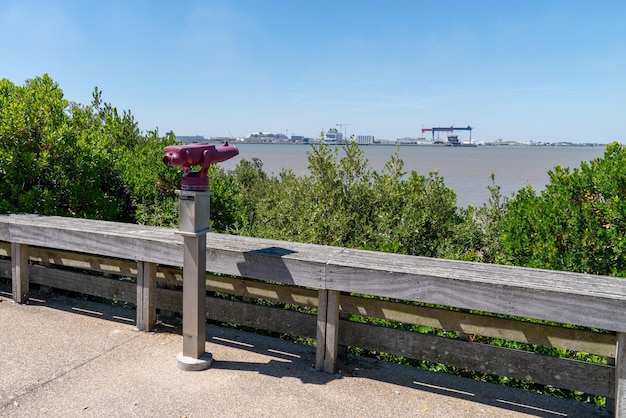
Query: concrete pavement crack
[[31, 388]]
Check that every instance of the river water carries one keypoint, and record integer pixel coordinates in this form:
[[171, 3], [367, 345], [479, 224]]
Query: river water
[[465, 170]]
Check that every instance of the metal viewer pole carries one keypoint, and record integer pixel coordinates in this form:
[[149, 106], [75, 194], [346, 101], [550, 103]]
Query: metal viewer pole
[[193, 225]]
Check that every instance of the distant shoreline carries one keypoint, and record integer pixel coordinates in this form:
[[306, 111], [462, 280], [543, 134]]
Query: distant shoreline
[[393, 144], [402, 142], [467, 171]]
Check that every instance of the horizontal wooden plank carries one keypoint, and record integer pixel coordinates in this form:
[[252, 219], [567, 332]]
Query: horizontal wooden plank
[[246, 314], [169, 300], [592, 301], [110, 239], [487, 326], [262, 317], [494, 274], [5, 236], [169, 276], [278, 261], [502, 289], [263, 290], [5, 269], [84, 261], [82, 283], [245, 288], [549, 336], [538, 368], [286, 262]]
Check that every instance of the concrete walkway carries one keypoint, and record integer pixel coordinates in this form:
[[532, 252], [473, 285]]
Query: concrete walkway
[[62, 357]]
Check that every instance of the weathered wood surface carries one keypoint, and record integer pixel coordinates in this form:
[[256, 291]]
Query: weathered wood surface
[[146, 295], [262, 290], [620, 376], [279, 261], [511, 330], [559, 372], [286, 262], [19, 272], [170, 276], [486, 326], [112, 239], [581, 299], [246, 314], [261, 317], [588, 300], [91, 262], [116, 290], [5, 268], [327, 331]]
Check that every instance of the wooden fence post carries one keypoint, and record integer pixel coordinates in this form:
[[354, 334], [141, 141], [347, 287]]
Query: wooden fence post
[[320, 345], [620, 375], [146, 295], [327, 331], [19, 272]]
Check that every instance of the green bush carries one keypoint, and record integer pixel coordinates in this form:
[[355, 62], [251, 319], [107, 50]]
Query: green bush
[[343, 202], [578, 223], [50, 165]]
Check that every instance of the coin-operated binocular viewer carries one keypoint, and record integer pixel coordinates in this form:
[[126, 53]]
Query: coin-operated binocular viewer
[[187, 156], [193, 224]]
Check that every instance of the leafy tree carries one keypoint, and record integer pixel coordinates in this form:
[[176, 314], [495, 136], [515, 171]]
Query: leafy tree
[[344, 202], [477, 236], [227, 210], [49, 164], [149, 183], [251, 182], [578, 223], [415, 216]]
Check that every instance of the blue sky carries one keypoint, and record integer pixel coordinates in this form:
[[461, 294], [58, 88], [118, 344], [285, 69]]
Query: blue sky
[[536, 70]]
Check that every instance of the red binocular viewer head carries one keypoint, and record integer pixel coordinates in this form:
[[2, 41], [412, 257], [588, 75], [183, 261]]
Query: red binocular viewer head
[[187, 156]]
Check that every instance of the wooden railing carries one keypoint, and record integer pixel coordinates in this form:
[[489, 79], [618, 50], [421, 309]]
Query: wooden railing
[[61, 252]]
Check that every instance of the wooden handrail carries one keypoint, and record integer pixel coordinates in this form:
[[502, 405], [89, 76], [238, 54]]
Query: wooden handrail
[[581, 299], [578, 299]]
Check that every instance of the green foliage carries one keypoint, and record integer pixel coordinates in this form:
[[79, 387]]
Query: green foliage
[[343, 202], [227, 211], [577, 224], [251, 181], [50, 165], [477, 237], [61, 158], [149, 183]]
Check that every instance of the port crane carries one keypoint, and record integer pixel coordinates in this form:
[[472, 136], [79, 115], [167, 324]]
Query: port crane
[[450, 129]]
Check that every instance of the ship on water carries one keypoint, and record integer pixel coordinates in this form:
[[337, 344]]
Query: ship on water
[[453, 141]]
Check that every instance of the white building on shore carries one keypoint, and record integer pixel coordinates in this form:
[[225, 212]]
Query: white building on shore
[[264, 137], [364, 139], [333, 136]]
